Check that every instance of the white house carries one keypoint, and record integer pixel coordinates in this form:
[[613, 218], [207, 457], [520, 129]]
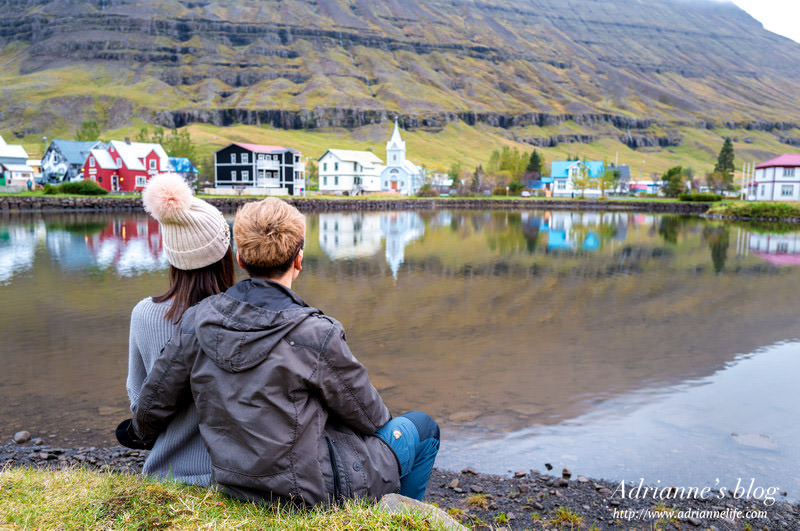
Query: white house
[[400, 175], [777, 179], [564, 172], [14, 168], [350, 172]]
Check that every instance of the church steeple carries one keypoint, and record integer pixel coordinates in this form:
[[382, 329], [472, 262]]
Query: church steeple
[[395, 148]]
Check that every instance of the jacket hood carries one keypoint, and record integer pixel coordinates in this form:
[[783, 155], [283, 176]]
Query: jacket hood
[[239, 329]]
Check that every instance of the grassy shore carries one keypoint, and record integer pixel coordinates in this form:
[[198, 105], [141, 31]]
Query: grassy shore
[[756, 210], [84, 499]]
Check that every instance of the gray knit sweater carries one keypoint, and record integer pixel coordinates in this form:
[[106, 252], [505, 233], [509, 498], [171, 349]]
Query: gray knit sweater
[[179, 453]]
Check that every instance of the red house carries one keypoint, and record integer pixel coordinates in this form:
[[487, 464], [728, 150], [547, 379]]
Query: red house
[[125, 166]]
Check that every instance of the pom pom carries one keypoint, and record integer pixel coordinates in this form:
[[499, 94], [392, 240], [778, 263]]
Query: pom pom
[[166, 196]]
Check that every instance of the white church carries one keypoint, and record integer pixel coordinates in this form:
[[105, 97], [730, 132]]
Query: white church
[[400, 175]]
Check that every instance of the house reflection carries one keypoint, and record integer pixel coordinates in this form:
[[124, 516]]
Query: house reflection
[[357, 235], [777, 249], [130, 246], [17, 250]]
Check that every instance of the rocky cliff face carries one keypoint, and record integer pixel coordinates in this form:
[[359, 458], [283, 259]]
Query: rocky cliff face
[[627, 64]]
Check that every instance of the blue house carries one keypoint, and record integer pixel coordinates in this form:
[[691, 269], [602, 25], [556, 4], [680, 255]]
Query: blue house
[[184, 167], [563, 171]]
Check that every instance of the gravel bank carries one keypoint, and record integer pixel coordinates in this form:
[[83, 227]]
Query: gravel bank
[[527, 500]]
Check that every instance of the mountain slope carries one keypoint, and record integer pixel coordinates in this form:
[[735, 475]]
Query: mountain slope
[[638, 70]]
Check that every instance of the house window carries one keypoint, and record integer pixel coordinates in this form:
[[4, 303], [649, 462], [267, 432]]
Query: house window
[[335, 166], [336, 181], [119, 163], [386, 184], [783, 247], [91, 162], [787, 190], [245, 175], [562, 185], [141, 181], [233, 175], [355, 166], [762, 190], [99, 179], [324, 181], [324, 166], [788, 172], [233, 158], [394, 157], [152, 164], [260, 156], [244, 158]]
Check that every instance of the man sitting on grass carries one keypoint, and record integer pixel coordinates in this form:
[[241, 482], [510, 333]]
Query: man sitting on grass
[[285, 409]]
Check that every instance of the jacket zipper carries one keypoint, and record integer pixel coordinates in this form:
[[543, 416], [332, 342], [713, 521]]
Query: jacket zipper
[[337, 487]]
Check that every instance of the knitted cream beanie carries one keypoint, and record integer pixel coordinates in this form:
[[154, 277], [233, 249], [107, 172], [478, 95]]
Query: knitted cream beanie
[[194, 233]]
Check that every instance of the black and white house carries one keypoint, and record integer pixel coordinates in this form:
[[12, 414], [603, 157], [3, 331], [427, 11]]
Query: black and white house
[[257, 169]]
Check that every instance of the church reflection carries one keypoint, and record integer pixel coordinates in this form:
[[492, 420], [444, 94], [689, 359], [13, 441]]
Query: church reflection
[[357, 235]]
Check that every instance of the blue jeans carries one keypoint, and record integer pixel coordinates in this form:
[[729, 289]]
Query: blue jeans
[[414, 437]]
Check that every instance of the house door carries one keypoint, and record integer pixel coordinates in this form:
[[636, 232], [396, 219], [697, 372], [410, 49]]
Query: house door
[[115, 183], [394, 185]]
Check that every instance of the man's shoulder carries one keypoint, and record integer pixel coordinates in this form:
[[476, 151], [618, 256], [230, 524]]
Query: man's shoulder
[[317, 329]]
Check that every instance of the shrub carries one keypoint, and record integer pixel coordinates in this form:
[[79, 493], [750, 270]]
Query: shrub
[[49, 189], [85, 187], [515, 187], [500, 190], [701, 197], [427, 191]]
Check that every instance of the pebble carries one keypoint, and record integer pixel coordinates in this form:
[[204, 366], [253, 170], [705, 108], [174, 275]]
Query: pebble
[[562, 483], [582, 479], [22, 437], [455, 483], [458, 490], [469, 470], [695, 522], [520, 474], [548, 466], [538, 506], [476, 488], [566, 474], [523, 489]]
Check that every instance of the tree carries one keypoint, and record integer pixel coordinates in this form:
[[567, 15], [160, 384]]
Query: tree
[[515, 187], [607, 181], [88, 131], [673, 181], [581, 180], [534, 164], [312, 176], [719, 181], [477, 179], [176, 144], [455, 172], [725, 162]]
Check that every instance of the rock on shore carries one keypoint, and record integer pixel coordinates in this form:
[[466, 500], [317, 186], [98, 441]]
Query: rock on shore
[[525, 500]]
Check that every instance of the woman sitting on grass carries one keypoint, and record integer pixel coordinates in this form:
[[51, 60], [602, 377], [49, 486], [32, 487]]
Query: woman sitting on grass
[[196, 241]]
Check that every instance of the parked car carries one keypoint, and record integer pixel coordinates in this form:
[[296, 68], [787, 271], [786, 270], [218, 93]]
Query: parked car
[[525, 193]]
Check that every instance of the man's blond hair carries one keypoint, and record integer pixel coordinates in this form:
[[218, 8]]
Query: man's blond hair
[[268, 235]]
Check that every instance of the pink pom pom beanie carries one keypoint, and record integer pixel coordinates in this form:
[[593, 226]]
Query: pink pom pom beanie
[[194, 233]]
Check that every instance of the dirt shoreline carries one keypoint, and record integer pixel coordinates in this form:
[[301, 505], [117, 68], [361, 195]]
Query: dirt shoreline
[[528, 499]]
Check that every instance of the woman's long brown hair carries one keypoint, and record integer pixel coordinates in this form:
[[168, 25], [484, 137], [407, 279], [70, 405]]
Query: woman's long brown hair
[[189, 287]]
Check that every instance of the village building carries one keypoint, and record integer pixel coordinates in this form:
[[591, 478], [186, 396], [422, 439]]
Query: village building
[[125, 166], [184, 167], [64, 159], [257, 169], [343, 171], [564, 172], [14, 169], [400, 175], [777, 179]]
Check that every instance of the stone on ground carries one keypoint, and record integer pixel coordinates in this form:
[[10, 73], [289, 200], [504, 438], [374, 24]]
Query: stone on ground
[[396, 503]]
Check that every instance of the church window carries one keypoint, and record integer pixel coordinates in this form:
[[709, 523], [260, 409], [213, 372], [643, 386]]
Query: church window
[[394, 157]]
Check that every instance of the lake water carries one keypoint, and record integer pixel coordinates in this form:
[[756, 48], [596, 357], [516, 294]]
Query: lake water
[[621, 346]]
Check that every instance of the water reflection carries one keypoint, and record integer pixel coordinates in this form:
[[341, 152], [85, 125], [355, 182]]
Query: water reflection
[[777, 249], [356, 235], [687, 434]]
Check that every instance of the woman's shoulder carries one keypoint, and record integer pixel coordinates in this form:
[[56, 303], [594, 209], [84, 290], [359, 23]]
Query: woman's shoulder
[[146, 310]]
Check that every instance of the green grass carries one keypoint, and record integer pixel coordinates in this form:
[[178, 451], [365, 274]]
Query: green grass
[[756, 210], [83, 499]]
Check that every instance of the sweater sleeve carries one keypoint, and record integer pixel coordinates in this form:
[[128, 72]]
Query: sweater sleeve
[[137, 371], [346, 389], [167, 387]]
